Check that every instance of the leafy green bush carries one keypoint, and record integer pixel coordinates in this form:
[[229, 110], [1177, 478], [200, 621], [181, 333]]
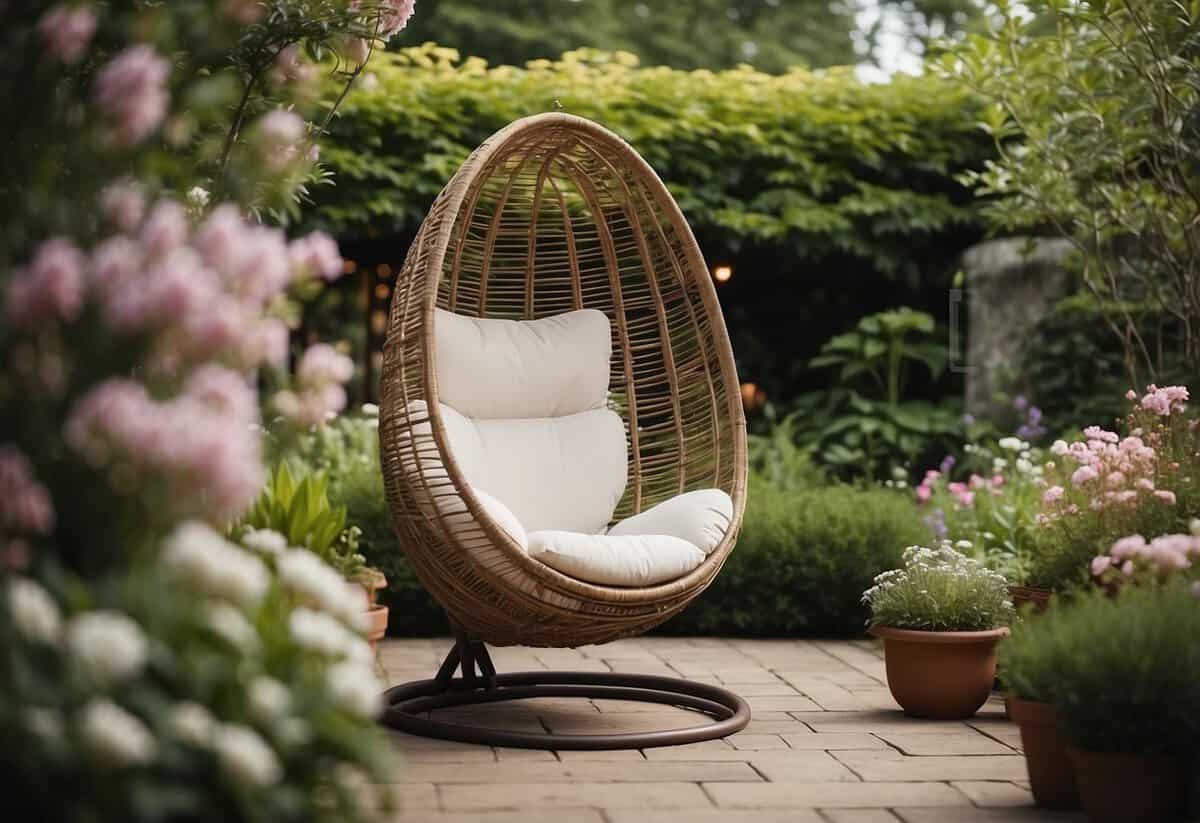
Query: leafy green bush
[[1029, 661], [939, 590], [1122, 671], [802, 560], [871, 427], [819, 164], [780, 461]]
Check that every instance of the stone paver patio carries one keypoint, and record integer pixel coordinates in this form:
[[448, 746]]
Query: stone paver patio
[[826, 743]]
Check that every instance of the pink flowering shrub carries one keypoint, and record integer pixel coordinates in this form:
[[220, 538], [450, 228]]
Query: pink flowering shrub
[[66, 30], [1106, 484], [1134, 559], [157, 668]]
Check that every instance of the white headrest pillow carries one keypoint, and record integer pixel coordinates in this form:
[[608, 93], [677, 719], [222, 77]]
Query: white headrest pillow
[[550, 367]]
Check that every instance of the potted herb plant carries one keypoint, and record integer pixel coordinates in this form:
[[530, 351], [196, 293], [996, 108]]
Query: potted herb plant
[[1029, 668], [1126, 690], [940, 618]]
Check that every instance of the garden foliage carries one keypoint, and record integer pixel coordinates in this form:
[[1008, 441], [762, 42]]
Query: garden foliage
[[868, 424], [818, 165], [1093, 108]]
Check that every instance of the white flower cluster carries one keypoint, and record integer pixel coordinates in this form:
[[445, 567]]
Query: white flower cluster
[[939, 588], [33, 611], [319, 584], [245, 757], [192, 724], [268, 698], [320, 632], [114, 736], [107, 645], [199, 555], [355, 688], [265, 541], [232, 626]]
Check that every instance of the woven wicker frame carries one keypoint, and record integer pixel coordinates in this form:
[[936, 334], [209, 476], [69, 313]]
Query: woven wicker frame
[[551, 214]]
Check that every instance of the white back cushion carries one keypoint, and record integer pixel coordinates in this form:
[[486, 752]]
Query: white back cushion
[[700, 517], [489, 369], [553, 472], [633, 560]]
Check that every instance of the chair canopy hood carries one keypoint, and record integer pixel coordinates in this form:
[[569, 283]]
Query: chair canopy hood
[[555, 213]]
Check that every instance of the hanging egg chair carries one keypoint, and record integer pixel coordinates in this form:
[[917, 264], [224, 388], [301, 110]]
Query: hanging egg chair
[[561, 432]]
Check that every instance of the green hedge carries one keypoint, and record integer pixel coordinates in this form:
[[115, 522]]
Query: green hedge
[[802, 562], [815, 163]]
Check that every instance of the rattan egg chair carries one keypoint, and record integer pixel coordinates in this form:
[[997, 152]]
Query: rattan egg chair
[[552, 214]]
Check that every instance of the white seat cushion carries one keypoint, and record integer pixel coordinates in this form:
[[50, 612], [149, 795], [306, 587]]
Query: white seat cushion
[[700, 517], [489, 369], [633, 560], [553, 473]]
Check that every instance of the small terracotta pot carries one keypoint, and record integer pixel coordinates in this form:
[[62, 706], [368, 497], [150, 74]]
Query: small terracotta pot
[[1051, 772], [377, 622], [942, 675], [1034, 596], [377, 616], [1130, 788]]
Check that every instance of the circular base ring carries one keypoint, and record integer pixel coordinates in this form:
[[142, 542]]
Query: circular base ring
[[406, 704]]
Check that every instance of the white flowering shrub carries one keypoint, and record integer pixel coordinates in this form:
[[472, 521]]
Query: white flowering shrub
[[151, 669], [939, 589]]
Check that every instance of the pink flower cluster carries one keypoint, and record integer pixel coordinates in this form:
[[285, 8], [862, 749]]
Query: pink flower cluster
[[66, 30], [394, 16], [202, 297], [132, 93], [319, 393], [278, 134], [202, 445], [25, 506], [963, 493], [1164, 401], [1112, 469], [1161, 556], [316, 255], [194, 299], [49, 290], [291, 67]]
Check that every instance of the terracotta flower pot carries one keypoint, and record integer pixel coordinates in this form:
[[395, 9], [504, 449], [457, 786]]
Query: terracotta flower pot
[[1034, 596], [1051, 772], [1130, 788], [943, 675], [377, 616], [377, 622]]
